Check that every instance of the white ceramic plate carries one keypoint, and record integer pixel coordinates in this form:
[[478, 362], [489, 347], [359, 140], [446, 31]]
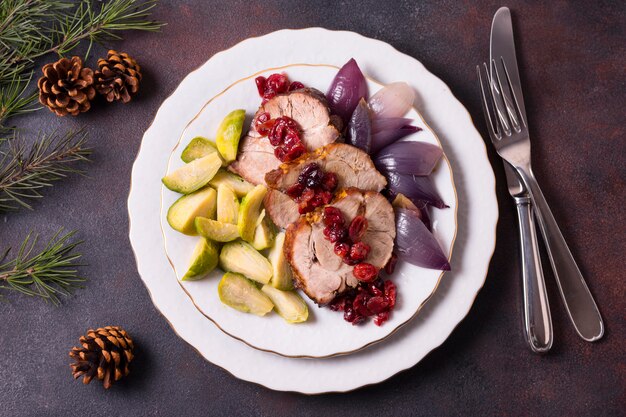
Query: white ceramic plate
[[477, 215], [325, 333]]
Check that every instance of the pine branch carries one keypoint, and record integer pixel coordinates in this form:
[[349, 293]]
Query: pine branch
[[25, 171], [46, 274], [30, 29], [14, 99]]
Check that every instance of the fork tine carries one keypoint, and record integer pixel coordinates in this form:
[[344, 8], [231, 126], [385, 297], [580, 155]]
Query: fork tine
[[506, 99], [510, 85], [493, 133]]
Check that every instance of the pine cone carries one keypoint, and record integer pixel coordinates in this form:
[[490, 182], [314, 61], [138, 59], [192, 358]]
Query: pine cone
[[66, 87], [105, 354], [118, 76]]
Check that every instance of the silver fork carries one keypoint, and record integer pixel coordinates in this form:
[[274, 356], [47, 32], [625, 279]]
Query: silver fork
[[508, 130]]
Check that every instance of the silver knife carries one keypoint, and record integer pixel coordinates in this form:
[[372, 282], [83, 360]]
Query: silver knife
[[578, 301]]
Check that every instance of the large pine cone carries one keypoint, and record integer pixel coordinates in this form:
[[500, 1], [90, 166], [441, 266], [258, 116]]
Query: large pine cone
[[105, 354], [118, 77], [66, 87]]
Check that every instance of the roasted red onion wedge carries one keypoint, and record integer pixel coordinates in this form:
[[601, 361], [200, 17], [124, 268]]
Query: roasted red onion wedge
[[389, 123], [384, 138], [347, 88], [360, 127], [415, 158], [393, 100], [415, 244], [415, 188]]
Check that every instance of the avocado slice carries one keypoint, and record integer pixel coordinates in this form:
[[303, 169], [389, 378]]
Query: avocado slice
[[197, 148], [282, 277], [227, 205], [229, 133], [249, 212], [194, 175], [288, 304], [241, 294], [203, 260], [242, 258], [240, 186], [217, 231], [183, 212]]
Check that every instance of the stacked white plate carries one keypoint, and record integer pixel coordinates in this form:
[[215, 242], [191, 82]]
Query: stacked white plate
[[323, 354]]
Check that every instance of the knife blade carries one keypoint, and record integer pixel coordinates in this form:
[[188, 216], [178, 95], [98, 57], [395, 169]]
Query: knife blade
[[537, 317]]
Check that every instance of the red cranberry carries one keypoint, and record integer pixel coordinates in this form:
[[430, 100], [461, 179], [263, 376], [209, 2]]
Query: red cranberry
[[359, 251], [326, 197], [342, 249], [295, 85], [377, 304], [260, 84], [365, 272], [390, 293], [329, 183], [311, 175], [391, 264], [294, 152], [336, 233], [295, 191], [332, 215], [357, 228], [264, 124], [360, 304], [278, 83], [281, 128], [280, 152], [381, 318], [349, 261]]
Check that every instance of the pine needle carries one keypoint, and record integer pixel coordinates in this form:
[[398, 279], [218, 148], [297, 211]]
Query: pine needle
[[47, 274], [25, 171]]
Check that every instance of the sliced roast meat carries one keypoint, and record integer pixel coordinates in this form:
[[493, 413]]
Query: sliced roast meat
[[318, 271], [309, 109], [353, 167], [281, 208]]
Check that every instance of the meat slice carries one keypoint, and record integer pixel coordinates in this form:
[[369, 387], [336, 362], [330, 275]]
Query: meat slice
[[320, 273], [354, 168], [308, 107], [281, 208]]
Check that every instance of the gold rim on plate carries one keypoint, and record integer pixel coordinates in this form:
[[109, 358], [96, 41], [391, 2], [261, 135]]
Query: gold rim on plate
[[368, 344]]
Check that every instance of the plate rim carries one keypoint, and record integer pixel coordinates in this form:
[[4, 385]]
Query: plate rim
[[478, 285], [450, 248]]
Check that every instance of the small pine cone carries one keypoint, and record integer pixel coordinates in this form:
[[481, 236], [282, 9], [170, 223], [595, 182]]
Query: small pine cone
[[66, 87], [105, 354], [118, 76]]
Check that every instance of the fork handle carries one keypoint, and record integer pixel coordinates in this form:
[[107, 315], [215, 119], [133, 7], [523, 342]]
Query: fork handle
[[579, 302], [537, 319]]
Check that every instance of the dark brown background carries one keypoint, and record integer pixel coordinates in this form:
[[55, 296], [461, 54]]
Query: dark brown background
[[572, 58]]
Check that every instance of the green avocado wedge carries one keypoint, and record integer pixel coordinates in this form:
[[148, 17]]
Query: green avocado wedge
[[288, 304], [194, 175], [203, 260], [241, 294], [182, 214], [229, 133]]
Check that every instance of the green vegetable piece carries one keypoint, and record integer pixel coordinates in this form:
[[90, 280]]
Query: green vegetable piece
[[282, 277], [198, 148], [183, 212], [264, 233], [194, 175], [241, 294], [242, 258], [288, 304], [227, 204], [217, 231], [203, 260], [229, 133], [249, 212], [240, 186]]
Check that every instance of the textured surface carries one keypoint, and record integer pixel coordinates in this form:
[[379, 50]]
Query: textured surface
[[573, 74]]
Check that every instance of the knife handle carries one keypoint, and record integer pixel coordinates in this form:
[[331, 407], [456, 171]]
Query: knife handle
[[537, 318], [579, 302]]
